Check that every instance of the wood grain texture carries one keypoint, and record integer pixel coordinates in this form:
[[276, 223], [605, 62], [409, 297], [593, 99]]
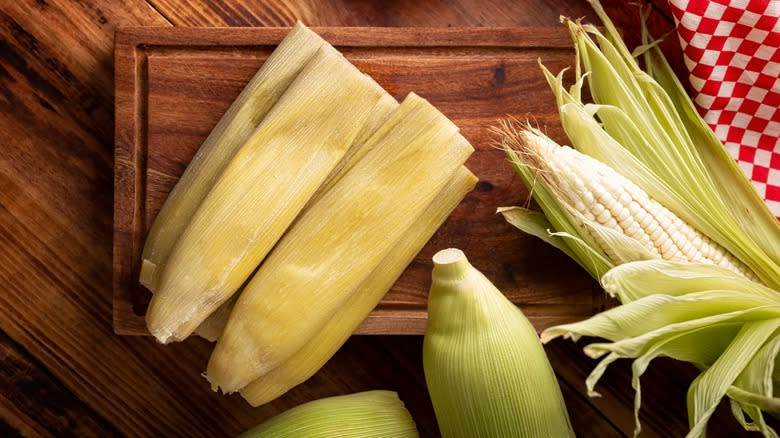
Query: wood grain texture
[[40, 404], [173, 85], [56, 173]]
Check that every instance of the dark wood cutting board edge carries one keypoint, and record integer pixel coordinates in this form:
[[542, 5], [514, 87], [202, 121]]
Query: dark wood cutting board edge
[[134, 45]]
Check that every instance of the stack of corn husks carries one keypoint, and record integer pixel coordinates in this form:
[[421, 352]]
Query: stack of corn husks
[[296, 215], [651, 204]]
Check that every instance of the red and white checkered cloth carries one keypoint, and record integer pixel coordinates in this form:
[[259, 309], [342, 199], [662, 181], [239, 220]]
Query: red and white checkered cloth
[[732, 50]]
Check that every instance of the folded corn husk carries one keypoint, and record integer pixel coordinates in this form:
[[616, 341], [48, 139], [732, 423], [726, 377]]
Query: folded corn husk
[[212, 327], [261, 192], [324, 344], [236, 125], [323, 257], [644, 126]]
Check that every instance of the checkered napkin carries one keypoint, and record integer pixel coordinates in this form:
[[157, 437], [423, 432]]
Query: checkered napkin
[[732, 50]]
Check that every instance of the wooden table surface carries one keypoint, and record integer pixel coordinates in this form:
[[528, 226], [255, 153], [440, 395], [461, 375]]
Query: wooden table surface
[[63, 371]]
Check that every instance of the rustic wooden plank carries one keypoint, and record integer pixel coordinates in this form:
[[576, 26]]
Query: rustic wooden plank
[[41, 405], [585, 418], [55, 218], [173, 85], [406, 13]]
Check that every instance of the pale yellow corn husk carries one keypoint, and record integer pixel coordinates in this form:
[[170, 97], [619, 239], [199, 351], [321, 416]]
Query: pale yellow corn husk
[[486, 370], [376, 122], [233, 129], [370, 414], [324, 344], [261, 191], [213, 325], [337, 243]]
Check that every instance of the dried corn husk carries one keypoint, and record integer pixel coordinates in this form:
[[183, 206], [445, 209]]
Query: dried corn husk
[[260, 192], [324, 344], [212, 327], [233, 129], [323, 257]]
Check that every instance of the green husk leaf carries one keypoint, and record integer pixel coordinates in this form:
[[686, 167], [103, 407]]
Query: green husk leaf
[[370, 414], [752, 392], [632, 281], [705, 392], [652, 315], [535, 224], [701, 346]]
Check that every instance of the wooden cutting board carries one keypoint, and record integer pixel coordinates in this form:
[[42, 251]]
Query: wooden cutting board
[[173, 85]]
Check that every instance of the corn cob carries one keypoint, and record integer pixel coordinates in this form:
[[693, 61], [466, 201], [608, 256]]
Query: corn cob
[[485, 367], [324, 256], [212, 327], [600, 196], [370, 414], [233, 129], [260, 192], [320, 348]]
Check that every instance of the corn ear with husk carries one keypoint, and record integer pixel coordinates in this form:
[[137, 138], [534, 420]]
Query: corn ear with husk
[[233, 129], [486, 370], [324, 344], [370, 414], [260, 192], [600, 208], [323, 258], [719, 313], [636, 117]]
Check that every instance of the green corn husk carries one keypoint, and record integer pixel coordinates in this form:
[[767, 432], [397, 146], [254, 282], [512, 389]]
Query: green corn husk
[[644, 126], [324, 344], [487, 373], [323, 257], [725, 324], [370, 414], [261, 192], [638, 113], [230, 133]]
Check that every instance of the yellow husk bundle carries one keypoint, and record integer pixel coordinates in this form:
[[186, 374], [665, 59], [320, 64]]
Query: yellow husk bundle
[[234, 128], [660, 214], [323, 257], [261, 192], [324, 344], [213, 325], [311, 212]]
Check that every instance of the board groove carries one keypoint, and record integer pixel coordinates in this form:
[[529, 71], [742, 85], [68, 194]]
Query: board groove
[[456, 69]]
